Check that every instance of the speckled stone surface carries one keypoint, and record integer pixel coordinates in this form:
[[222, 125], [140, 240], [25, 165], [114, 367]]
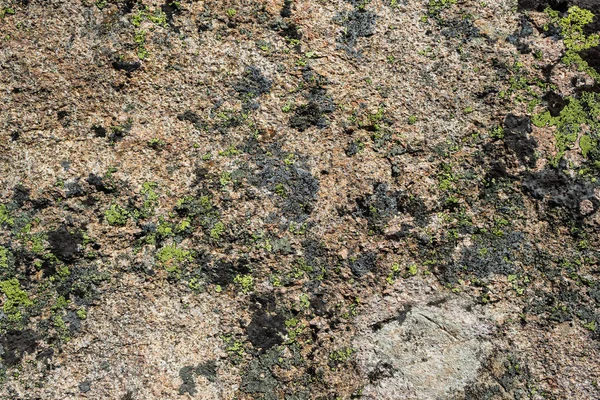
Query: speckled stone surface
[[299, 199]]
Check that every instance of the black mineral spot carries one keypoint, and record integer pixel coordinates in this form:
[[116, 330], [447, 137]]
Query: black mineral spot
[[127, 66], [99, 131], [60, 115], [85, 386]]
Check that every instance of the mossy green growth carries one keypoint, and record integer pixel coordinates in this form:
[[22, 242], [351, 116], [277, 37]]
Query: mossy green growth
[[5, 218], [217, 230], [245, 281], [150, 199], [140, 40], [568, 123], [172, 257], [116, 215], [3, 258], [435, 7], [586, 144], [342, 355], [16, 299], [158, 17], [575, 40]]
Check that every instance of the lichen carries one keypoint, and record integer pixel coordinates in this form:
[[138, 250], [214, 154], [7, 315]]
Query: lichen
[[571, 27], [16, 299], [172, 258], [577, 112], [116, 215]]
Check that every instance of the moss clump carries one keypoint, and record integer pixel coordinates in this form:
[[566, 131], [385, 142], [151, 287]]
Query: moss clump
[[568, 123], [5, 218], [82, 313], [116, 215], [172, 257], [575, 40], [217, 230], [3, 258], [435, 7], [245, 281], [16, 299], [150, 199]]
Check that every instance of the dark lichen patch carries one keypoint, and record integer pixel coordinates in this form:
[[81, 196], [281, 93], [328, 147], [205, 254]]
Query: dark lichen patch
[[188, 384], [289, 30], [501, 252], [495, 254], [65, 243], [462, 29], [592, 57], [517, 139], [259, 376], [267, 328], [252, 85], [82, 285], [378, 208], [189, 116], [357, 23], [21, 195], [188, 373], [307, 115], [74, 189], [223, 273], [170, 8], [208, 370], [516, 38], [381, 206], [286, 9], [314, 112], [541, 5], [288, 177], [555, 103], [104, 183], [363, 264], [15, 344], [556, 189]]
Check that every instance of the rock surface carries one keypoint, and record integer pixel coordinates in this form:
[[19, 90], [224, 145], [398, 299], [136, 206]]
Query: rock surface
[[299, 199]]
